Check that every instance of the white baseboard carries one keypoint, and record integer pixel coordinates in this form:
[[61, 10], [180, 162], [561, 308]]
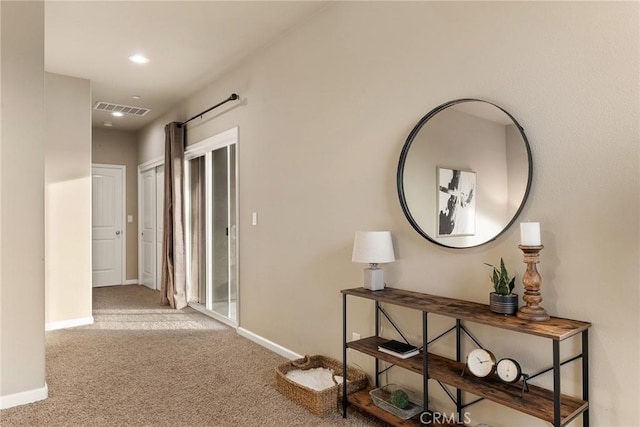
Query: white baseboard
[[131, 282], [71, 323], [24, 397], [276, 348]]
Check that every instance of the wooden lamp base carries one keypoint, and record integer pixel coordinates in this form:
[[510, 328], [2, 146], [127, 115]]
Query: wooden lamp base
[[532, 282]]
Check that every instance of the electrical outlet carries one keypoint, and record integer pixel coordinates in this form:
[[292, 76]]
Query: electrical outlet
[[355, 336]]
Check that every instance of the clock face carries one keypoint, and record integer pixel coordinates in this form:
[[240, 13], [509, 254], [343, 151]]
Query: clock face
[[481, 362], [508, 370]]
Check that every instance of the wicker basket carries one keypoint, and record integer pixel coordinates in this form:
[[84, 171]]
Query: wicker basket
[[321, 402]]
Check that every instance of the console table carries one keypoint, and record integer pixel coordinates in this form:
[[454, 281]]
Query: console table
[[549, 405]]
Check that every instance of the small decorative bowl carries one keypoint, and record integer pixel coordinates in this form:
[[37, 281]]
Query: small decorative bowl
[[382, 398]]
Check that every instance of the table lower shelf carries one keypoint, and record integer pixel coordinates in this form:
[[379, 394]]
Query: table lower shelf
[[362, 400], [537, 402]]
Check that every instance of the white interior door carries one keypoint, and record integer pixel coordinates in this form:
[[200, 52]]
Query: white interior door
[[106, 225], [159, 222], [148, 229]]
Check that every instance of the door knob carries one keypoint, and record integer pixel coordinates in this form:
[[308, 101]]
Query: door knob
[[118, 233]]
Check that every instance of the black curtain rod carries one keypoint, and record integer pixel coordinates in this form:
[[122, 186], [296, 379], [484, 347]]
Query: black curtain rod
[[233, 97]]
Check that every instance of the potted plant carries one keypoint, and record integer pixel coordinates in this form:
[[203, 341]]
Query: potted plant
[[502, 299]]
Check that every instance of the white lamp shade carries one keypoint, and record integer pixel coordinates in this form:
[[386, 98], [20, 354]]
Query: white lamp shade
[[373, 247]]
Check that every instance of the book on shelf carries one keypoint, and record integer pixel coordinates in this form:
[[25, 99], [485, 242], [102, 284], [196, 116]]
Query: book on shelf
[[399, 349], [399, 355]]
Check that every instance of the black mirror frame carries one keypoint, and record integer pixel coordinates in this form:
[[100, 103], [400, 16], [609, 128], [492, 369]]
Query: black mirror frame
[[405, 151]]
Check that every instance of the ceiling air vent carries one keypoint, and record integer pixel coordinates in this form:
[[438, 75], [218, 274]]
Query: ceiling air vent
[[124, 109]]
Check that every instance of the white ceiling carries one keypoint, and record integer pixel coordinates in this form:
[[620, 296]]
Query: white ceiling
[[189, 44]]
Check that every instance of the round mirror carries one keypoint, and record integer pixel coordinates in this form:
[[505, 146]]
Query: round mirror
[[464, 173]]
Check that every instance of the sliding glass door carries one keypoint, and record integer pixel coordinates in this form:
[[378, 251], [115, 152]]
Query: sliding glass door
[[211, 211], [222, 230], [196, 230]]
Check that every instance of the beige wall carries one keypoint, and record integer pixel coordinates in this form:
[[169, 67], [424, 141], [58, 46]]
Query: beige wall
[[22, 343], [67, 200], [119, 147], [323, 117]]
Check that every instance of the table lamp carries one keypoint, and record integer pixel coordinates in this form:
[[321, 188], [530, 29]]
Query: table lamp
[[373, 248]]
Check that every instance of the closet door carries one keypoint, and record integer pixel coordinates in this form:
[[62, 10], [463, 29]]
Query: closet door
[[148, 229], [159, 222]]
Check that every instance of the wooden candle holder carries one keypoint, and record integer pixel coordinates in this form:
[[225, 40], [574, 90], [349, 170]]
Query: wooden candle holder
[[532, 282]]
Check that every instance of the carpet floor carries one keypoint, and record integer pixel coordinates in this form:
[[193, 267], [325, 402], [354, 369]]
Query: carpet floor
[[142, 364]]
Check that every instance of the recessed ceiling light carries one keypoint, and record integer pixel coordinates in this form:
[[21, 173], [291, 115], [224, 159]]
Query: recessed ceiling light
[[117, 114], [108, 124], [136, 96], [139, 59]]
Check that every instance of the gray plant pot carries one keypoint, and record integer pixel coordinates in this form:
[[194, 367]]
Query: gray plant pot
[[503, 304]]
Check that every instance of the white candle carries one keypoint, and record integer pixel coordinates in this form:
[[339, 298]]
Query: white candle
[[530, 234]]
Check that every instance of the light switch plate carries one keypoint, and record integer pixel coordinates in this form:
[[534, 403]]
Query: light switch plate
[[129, 218]]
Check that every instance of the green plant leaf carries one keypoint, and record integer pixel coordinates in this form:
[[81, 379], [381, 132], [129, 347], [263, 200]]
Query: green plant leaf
[[503, 271], [500, 277]]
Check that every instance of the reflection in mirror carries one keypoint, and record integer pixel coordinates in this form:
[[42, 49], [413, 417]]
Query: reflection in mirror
[[464, 173]]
